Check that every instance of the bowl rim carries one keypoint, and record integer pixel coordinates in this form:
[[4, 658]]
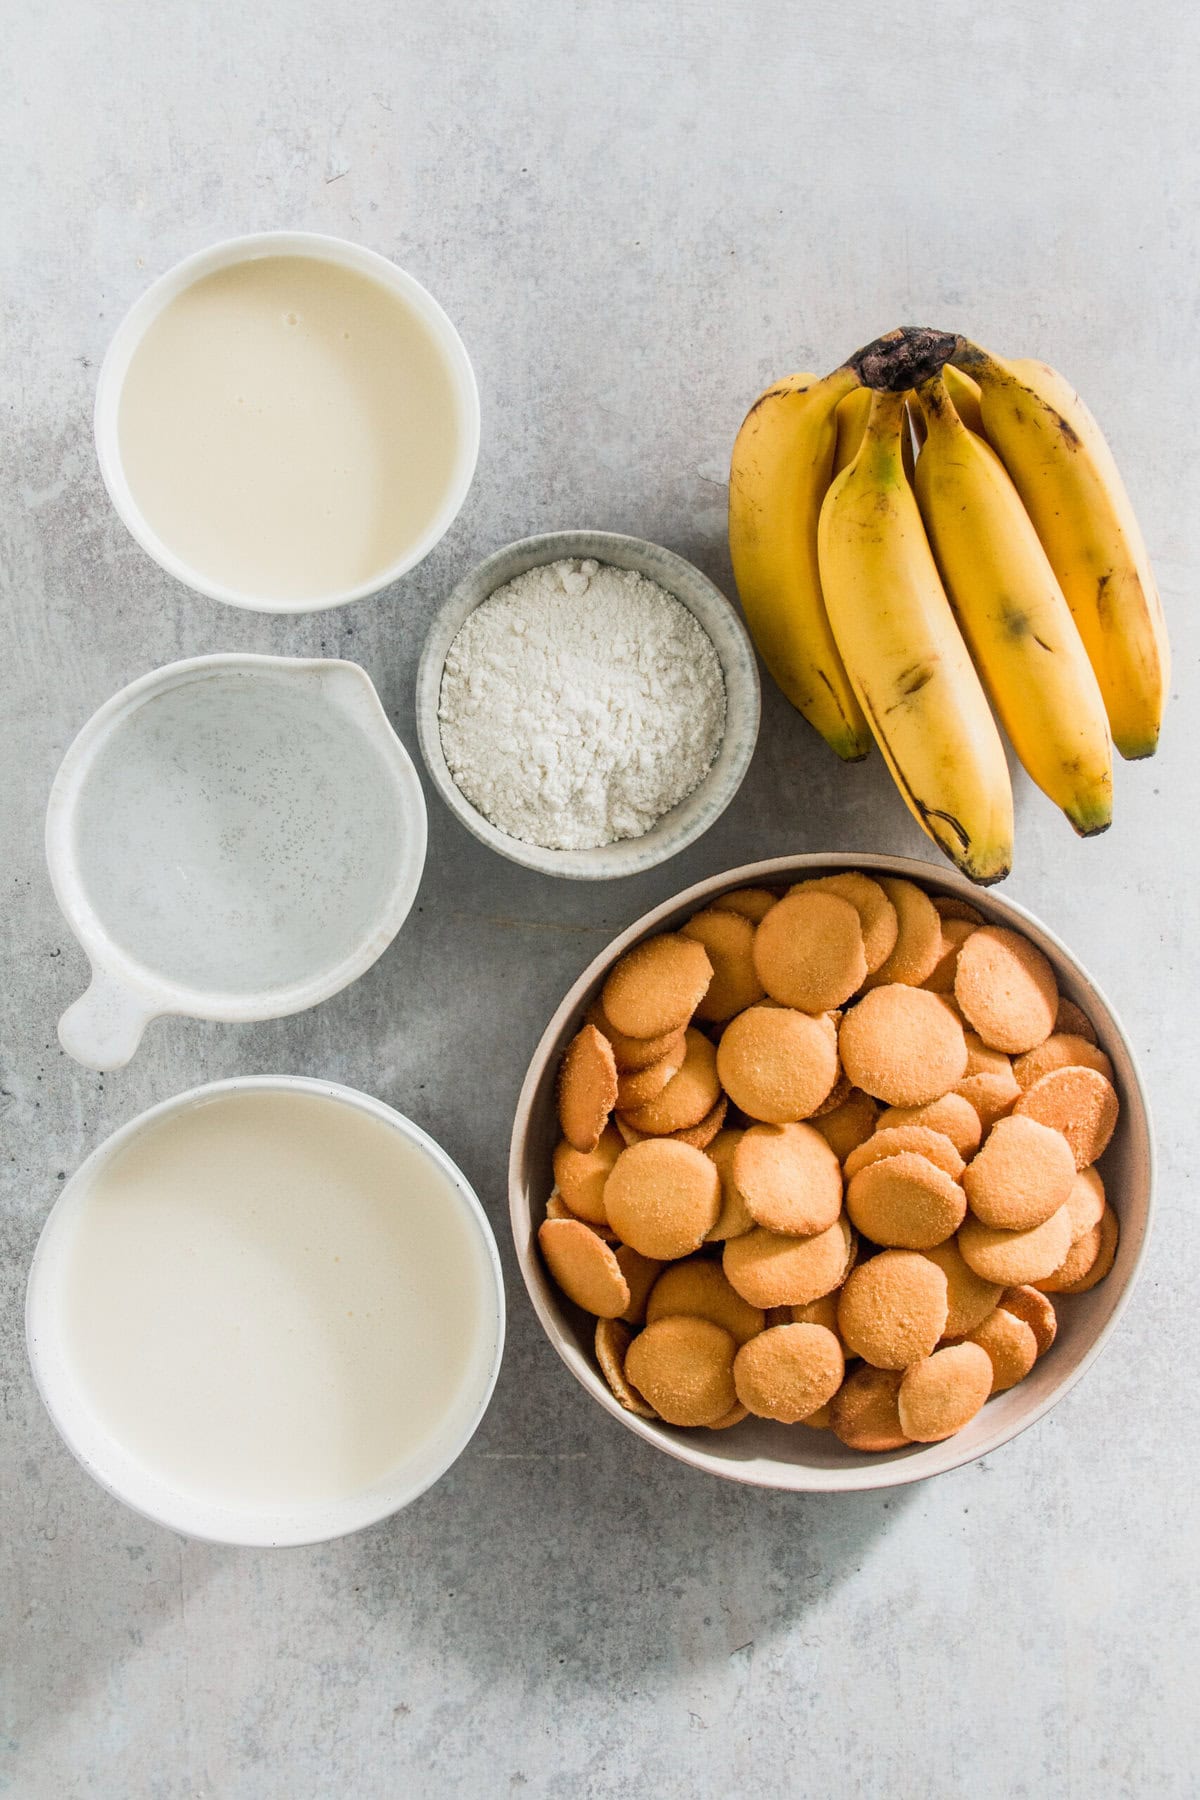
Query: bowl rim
[[875, 1473], [152, 993], [724, 628], [229, 1525], [226, 253]]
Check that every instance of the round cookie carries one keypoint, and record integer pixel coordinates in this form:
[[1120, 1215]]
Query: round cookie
[[955, 1117], [893, 1309], [637, 1087], [918, 946], [698, 1289], [905, 1202], [1006, 989], [1015, 1258], [684, 1368], [981, 1060], [969, 1299], [1024, 1173], [734, 1416], [876, 914], [903, 1045], [1071, 1019], [817, 1312], [641, 1273], [656, 986], [777, 1064], [848, 1125], [1061, 1050], [943, 1392], [1080, 1103], [688, 1097], [581, 1175], [631, 1053], [728, 939], [702, 1134], [955, 932], [662, 1198], [1078, 1262], [993, 1095], [1110, 1237], [752, 903], [949, 906], [788, 1178], [1085, 1202], [919, 1138], [611, 1343], [789, 1371], [733, 1218], [557, 1208], [808, 951], [1027, 1304], [1011, 1347], [587, 1088], [865, 1411], [770, 1270], [822, 1419], [837, 1096], [584, 1267]]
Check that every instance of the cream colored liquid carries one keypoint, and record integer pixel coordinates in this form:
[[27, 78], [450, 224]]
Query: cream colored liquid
[[288, 428], [273, 1299]]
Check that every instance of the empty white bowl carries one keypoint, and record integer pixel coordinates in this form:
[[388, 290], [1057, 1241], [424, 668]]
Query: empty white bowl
[[795, 1458], [314, 245], [708, 605], [119, 1465], [231, 837]]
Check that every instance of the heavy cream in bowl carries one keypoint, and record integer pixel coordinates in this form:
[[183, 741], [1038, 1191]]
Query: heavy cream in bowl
[[287, 422], [267, 1312]]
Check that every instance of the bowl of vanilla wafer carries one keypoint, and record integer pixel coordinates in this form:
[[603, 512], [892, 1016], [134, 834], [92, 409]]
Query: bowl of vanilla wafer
[[831, 1173]]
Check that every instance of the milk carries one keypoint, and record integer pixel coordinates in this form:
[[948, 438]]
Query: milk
[[288, 427], [272, 1299]]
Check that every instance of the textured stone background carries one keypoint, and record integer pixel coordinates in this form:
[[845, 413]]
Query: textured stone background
[[636, 214]]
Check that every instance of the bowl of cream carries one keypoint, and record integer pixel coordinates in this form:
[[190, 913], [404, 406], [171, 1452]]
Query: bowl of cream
[[266, 1312], [587, 703], [287, 422]]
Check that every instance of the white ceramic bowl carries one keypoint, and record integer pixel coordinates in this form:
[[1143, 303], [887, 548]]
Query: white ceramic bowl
[[127, 1477], [795, 1459], [693, 816], [145, 310], [230, 837]]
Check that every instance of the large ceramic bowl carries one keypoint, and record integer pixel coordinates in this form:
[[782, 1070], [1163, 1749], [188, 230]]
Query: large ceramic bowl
[[694, 814], [769, 1455]]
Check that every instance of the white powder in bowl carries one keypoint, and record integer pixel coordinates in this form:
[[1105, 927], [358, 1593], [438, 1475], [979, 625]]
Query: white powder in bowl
[[579, 703]]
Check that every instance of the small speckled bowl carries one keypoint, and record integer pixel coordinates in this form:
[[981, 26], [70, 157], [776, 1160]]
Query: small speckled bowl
[[230, 837], [705, 804], [794, 1458]]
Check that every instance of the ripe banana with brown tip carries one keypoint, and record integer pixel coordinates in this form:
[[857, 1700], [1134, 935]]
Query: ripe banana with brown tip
[[1010, 606], [781, 468], [1065, 473], [906, 659]]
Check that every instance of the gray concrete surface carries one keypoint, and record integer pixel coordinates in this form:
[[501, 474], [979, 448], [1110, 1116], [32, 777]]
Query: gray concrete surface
[[636, 214]]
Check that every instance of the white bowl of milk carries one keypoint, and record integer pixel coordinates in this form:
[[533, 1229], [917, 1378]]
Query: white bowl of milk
[[267, 1312], [287, 422]]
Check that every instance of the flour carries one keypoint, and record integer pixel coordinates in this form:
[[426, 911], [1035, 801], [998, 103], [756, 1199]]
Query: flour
[[579, 703]]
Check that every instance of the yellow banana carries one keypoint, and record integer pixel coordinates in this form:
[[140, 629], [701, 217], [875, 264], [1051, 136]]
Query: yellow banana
[[903, 652], [1065, 473], [1013, 615], [781, 468], [852, 415], [964, 395]]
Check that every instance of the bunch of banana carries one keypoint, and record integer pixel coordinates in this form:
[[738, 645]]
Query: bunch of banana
[[888, 597]]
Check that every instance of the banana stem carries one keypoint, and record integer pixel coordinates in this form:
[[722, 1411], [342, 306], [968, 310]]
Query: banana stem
[[881, 440], [902, 358]]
